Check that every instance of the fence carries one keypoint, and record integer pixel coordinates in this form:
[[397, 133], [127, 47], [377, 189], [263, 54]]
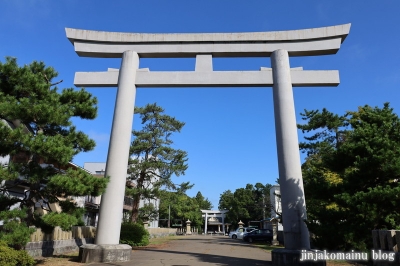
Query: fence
[[58, 234], [59, 241], [161, 232]]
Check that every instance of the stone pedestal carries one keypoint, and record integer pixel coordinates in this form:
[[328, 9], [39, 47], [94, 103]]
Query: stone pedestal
[[287, 257], [274, 241], [188, 228], [104, 253]]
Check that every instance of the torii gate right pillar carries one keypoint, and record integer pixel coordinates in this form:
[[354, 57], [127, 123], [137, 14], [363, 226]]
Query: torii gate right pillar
[[290, 178], [295, 231]]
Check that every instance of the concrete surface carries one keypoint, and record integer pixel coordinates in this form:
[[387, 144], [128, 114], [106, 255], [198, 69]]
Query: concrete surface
[[316, 41], [112, 201], [174, 79], [55, 247], [125, 37], [290, 177], [199, 250], [104, 253]]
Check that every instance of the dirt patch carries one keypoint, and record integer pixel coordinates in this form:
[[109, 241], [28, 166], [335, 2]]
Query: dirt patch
[[60, 260]]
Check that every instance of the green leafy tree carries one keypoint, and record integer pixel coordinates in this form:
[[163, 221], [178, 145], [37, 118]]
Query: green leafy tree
[[152, 160], [227, 201], [166, 208], [351, 175], [204, 203], [148, 213], [262, 202], [251, 203], [178, 206], [37, 132], [200, 203], [174, 205]]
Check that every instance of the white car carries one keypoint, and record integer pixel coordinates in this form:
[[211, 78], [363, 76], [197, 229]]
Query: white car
[[238, 234]]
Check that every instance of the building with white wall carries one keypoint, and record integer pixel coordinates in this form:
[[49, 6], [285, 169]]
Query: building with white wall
[[98, 168]]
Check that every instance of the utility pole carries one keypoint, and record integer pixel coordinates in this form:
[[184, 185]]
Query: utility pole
[[263, 206], [169, 216]]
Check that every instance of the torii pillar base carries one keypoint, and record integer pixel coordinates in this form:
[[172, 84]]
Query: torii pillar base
[[104, 253], [288, 257]]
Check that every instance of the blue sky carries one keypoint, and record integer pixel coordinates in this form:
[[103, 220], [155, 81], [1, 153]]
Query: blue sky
[[229, 132]]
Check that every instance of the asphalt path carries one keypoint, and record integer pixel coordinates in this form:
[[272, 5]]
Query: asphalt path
[[198, 250]]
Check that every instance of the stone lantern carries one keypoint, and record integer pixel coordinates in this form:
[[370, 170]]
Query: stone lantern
[[188, 229], [240, 223], [275, 241]]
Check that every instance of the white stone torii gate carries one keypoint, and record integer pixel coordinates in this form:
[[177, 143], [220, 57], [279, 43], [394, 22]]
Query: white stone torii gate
[[278, 45]]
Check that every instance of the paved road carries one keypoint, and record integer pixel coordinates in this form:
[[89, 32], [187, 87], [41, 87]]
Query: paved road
[[199, 250]]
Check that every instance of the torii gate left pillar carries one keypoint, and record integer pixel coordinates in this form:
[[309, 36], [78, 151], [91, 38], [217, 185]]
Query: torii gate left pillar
[[117, 159], [107, 248]]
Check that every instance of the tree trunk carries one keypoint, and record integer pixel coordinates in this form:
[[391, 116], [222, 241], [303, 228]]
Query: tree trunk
[[136, 198], [135, 209]]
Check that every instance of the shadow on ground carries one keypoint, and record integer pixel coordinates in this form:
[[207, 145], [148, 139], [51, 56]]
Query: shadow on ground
[[212, 259], [199, 250]]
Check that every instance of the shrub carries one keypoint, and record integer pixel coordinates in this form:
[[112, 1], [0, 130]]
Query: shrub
[[134, 234], [72, 208], [14, 231], [12, 257], [63, 220]]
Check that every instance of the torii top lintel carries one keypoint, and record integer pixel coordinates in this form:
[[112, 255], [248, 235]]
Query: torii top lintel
[[305, 42]]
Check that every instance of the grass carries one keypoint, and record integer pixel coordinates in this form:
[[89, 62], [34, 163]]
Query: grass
[[158, 242], [162, 240], [266, 246]]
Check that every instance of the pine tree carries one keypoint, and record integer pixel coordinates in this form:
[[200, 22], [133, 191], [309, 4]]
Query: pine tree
[[351, 175], [203, 203], [152, 160], [179, 206], [251, 203], [37, 133]]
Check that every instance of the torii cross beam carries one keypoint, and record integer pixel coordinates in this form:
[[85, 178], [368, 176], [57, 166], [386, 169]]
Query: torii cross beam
[[277, 45]]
